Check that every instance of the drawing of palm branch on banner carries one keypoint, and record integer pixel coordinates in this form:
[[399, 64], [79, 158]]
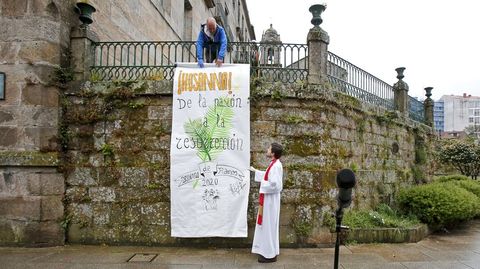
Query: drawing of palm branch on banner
[[214, 126]]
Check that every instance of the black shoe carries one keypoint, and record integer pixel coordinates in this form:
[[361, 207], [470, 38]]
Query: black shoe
[[262, 259]]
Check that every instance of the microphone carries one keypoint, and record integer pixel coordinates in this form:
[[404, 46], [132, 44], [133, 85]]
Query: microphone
[[345, 181]]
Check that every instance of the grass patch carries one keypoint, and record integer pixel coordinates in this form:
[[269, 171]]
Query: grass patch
[[382, 217]]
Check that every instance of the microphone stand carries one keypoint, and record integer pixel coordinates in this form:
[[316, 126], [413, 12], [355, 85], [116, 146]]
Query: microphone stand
[[338, 229]]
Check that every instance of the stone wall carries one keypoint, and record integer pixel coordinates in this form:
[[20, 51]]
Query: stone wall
[[34, 40], [117, 139], [113, 148], [35, 56]]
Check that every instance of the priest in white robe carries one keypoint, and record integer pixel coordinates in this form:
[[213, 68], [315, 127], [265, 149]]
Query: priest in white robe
[[266, 239]]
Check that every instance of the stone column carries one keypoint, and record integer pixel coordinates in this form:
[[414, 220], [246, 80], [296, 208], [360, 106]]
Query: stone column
[[428, 107], [317, 41], [81, 39], [32, 41], [400, 91]]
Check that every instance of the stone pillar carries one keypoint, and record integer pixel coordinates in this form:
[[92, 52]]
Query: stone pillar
[[32, 42], [428, 107], [317, 41], [81, 39], [400, 91]]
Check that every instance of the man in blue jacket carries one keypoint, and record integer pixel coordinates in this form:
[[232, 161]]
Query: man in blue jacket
[[213, 40]]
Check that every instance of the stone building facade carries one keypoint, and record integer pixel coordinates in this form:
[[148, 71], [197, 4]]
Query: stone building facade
[[168, 20], [35, 58]]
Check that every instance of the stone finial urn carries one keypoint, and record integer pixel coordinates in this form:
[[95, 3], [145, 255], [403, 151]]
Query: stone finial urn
[[400, 71], [85, 11], [428, 92], [316, 11]]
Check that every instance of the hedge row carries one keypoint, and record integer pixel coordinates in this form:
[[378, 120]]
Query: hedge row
[[442, 203]]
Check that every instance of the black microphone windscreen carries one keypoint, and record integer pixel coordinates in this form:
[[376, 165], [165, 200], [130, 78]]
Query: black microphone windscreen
[[346, 179]]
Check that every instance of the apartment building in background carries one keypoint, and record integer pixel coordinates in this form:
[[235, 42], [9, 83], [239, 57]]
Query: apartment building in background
[[459, 112], [439, 116]]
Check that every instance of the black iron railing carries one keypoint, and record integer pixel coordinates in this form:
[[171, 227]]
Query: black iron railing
[[416, 109], [139, 60], [359, 93], [156, 60], [354, 81], [358, 78], [287, 63]]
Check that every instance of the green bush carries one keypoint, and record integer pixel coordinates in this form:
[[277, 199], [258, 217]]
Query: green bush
[[470, 185], [452, 178], [382, 217], [439, 204], [464, 155]]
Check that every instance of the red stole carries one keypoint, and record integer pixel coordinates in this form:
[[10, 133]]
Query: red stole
[[262, 195]]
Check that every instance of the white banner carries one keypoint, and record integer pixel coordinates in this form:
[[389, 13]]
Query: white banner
[[210, 151]]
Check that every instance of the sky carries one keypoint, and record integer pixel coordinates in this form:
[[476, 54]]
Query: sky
[[437, 41]]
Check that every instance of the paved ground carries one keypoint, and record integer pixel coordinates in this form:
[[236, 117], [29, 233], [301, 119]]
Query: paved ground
[[458, 249]]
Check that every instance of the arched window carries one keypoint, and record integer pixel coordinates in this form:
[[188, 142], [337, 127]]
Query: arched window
[[270, 55]]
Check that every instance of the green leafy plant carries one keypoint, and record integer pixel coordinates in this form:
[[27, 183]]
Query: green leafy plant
[[354, 167], [329, 221], [451, 178], [464, 155], [216, 124], [472, 186], [439, 204], [95, 76], [473, 131], [66, 221], [302, 228], [107, 150], [277, 95]]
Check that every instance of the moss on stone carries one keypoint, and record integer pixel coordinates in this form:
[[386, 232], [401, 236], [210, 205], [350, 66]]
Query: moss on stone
[[89, 112], [289, 182], [303, 147], [28, 158], [360, 128], [302, 228], [386, 118], [347, 100], [420, 151], [418, 174], [276, 95], [294, 119]]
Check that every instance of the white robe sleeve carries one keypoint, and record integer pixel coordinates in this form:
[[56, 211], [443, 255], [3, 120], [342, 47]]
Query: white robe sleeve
[[259, 175], [274, 183]]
